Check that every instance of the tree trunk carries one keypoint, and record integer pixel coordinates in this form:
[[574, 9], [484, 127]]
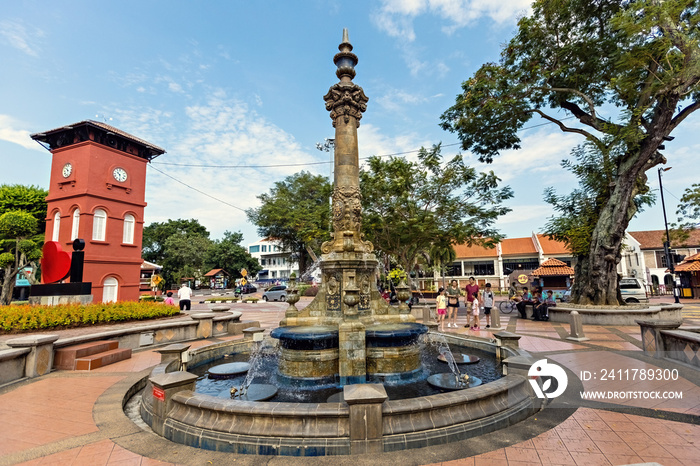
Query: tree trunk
[[8, 287], [596, 278]]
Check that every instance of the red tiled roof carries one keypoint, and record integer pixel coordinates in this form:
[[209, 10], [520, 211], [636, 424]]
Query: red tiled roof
[[518, 246], [693, 266], [105, 127], [213, 272], [464, 251], [551, 247], [553, 267], [689, 264], [654, 239]]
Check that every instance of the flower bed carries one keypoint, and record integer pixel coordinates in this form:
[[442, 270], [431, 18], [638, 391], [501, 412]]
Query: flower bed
[[20, 318]]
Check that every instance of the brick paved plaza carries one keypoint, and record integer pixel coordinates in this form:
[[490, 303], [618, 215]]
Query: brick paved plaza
[[68, 417]]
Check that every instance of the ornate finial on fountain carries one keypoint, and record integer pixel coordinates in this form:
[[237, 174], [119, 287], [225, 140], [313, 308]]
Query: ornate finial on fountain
[[292, 298]]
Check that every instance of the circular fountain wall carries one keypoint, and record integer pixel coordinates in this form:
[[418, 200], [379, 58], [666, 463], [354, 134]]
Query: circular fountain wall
[[318, 428]]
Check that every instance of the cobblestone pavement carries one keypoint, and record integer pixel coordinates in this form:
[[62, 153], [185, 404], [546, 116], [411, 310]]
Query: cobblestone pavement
[[52, 419]]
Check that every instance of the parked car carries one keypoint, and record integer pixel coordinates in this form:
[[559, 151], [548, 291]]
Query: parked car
[[275, 293], [248, 288], [633, 290]]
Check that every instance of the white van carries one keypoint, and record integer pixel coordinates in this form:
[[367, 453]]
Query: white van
[[633, 290]]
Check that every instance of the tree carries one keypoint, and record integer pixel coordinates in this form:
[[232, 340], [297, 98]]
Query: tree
[[184, 256], [579, 56], [412, 208], [16, 228], [296, 212], [228, 254], [156, 234], [22, 225], [688, 212]]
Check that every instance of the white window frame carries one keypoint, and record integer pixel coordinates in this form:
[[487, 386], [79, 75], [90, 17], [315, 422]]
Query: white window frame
[[56, 226], [99, 224], [129, 227], [110, 290], [75, 229]]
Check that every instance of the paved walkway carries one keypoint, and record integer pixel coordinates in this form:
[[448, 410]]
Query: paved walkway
[[56, 419]]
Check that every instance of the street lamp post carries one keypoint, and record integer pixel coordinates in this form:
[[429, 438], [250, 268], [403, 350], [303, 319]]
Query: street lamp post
[[667, 243]]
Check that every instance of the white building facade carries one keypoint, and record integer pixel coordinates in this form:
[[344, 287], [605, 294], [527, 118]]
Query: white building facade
[[276, 263]]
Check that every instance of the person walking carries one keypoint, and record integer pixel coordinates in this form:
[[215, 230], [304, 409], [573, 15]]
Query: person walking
[[452, 304], [441, 304], [185, 296], [472, 288], [487, 302], [169, 300]]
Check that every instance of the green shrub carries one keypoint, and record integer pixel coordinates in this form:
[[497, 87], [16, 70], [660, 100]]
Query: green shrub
[[20, 318]]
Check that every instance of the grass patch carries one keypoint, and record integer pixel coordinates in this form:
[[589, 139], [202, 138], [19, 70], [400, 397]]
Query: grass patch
[[23, 318]]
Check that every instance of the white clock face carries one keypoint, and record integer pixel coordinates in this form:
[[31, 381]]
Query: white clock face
[[67, 170], [119, 174]]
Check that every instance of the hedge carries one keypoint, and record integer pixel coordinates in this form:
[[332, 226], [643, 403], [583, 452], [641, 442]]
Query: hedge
[[20, 318]]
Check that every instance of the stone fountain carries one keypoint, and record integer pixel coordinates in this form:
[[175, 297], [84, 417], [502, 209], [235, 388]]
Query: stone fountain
[[347, 336], [348, 299]]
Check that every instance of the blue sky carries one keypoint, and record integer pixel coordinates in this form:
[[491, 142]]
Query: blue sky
[[240, 84]]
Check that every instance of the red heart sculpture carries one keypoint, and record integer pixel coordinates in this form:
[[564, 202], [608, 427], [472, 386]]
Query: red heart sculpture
[[55, 263]]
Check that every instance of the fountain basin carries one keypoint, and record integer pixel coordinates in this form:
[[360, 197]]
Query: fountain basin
[[308, 354], [319, 429]]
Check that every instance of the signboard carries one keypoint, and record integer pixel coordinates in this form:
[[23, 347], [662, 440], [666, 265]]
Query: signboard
[[244, 272], [243, 281], [23, 277], [158, 393], [522, 279]]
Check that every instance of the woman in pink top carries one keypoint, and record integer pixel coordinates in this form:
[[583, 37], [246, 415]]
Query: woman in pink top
[[472, 288]]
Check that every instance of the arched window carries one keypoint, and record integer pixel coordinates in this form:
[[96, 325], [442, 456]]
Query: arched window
[[99, 225], [129, 222], [110, 289], [75, 230], [56, 226]]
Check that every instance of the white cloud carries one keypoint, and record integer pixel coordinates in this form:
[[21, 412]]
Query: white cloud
[[175, 87], [395, 17], [395, 100], [540, 152], [20, 37], [10, 133], [230, 138], [526, 214]]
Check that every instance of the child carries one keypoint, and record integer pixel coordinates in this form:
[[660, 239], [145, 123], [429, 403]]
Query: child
[[441, 308], [487, 300], [169, 300], [475, 310]]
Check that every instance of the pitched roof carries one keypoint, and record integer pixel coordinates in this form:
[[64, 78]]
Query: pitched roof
[[689, 264], [551, 247], [654, 239], [553, 267], [464, 251], [518, 247], [213, 272]]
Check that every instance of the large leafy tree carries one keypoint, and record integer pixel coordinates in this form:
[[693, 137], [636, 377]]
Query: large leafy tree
[[184, 256], [228, 254], [156, 234], [412, 209], [585, 58], [22, 225], [296, 212]]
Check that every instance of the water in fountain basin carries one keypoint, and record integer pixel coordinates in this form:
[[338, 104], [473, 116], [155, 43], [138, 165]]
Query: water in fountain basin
[[488, 369]]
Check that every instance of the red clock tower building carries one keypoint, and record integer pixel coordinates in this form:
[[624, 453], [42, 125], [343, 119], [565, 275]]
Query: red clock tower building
[[97, 193]]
